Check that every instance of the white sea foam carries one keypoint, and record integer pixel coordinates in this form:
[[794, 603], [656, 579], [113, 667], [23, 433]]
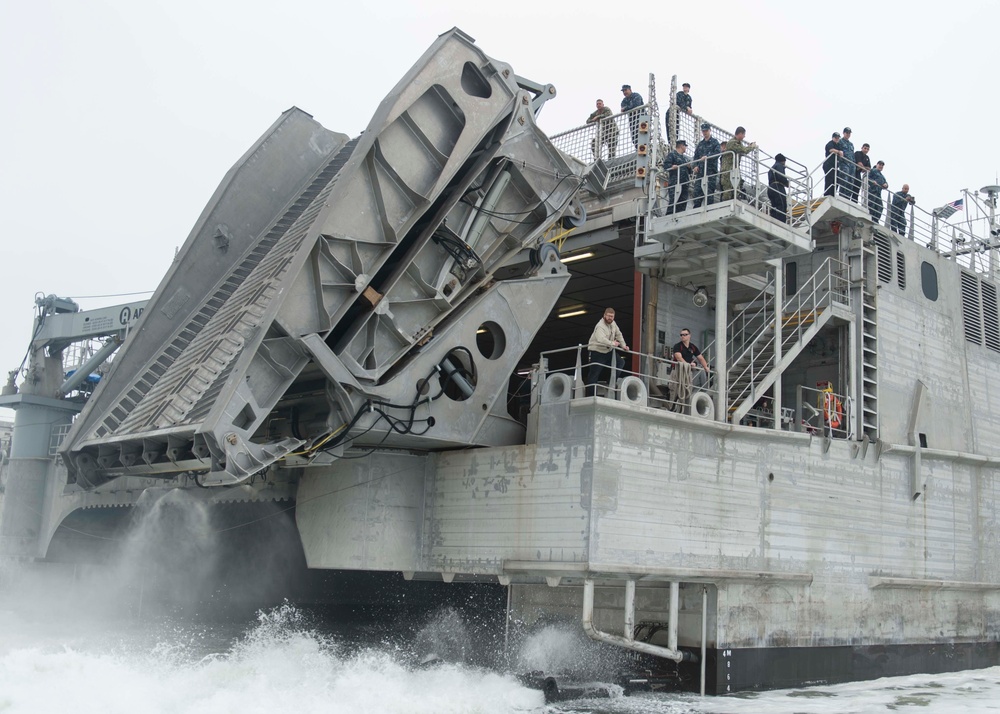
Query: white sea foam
[[278, 666]]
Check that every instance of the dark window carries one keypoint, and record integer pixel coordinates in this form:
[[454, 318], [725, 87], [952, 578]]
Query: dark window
[[928, 281]]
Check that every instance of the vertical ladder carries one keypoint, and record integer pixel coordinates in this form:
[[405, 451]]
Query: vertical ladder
[[869, 349]]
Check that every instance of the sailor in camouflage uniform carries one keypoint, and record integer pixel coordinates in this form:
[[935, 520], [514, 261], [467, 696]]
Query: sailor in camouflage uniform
[[632, 101], [876, 182], [846, 167], [678, 172], [607, 132], [708, 147], [684, 103], [733, 151]]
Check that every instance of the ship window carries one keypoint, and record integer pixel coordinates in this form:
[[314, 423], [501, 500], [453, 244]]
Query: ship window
[[928, 280], [884, 255], [991, 320], [971, 309], [900, 270]]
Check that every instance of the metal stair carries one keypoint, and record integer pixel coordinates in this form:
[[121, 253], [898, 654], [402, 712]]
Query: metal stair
[[754, 366], [869, 347]]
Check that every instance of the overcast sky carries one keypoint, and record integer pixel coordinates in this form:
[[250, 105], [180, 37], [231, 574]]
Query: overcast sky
[[122, 116]]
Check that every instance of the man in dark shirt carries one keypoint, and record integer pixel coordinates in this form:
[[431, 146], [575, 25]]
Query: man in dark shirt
[[676, 166], [630, 102], [864, 166], [684, 103], [777, 183], [831, 151], [876, 183], [897, 211], [846, 168], [688, 353], [709, 146]]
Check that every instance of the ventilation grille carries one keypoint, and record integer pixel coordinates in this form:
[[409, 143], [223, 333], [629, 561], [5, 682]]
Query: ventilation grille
[[972, 309], [901, 270], [991, 318], [884, 258]]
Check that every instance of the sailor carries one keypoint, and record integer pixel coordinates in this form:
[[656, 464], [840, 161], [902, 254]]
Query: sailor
[[708, 151], [846, 167], [684, 102], [897, 211], [733, 151], [777, 184], [607, 132], [831, 152], [876, 183], [604, 343], [678, 173], [631, 101], [864, 165]]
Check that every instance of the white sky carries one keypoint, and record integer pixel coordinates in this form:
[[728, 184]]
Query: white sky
[[122, 116]]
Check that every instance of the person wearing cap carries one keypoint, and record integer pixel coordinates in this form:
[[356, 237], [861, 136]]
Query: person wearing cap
[[676, 166], [864, 166], [733, 151], [897, 211], [777, 184], [684, 103], [831, 152], [607, 132], [707, 152], [876, 183], [846, 167], [631, 101]]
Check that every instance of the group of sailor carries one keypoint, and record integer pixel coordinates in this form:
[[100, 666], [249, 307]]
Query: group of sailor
[[845, 169]]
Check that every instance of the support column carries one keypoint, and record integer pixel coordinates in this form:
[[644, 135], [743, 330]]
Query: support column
[[721, 338]]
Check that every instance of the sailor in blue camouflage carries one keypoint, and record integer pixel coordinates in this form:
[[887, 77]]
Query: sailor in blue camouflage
[[678, 173], [733, 151], [684, 104], [632, 101], [876, 183], [897, 210], [706, 158], [846, 168]]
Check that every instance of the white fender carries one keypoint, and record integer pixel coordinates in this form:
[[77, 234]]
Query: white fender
[[633, 392], [702, 405], [558, 387]]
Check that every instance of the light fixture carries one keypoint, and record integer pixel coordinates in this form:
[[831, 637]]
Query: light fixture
[[578, 256], [573, 313], [700, 297]]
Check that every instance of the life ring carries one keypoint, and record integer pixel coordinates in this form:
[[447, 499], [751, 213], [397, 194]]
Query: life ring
[[557, 388], [833, 410], [633, 391], [702, 405]]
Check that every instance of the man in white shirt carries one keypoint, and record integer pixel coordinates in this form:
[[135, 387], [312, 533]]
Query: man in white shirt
[[605, 339]]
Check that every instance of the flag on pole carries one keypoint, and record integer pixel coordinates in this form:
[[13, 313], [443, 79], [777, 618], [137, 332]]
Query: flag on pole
[[950, 209]]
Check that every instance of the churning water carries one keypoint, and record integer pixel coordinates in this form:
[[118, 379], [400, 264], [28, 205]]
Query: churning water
[[148, 635]]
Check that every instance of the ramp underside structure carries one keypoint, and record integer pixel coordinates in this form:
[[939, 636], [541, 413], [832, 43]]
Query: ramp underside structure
[[341, 291]]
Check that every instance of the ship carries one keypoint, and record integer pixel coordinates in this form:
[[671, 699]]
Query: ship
[[391, 332]]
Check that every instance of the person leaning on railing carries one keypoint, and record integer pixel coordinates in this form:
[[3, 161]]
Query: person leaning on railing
[[607, 132], [777, 185], [604, 342], [897, 211], [706, 156], [632, 100], [876, 183], [676, 166], [733, 152]]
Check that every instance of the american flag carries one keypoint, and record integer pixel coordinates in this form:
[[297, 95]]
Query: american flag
[[950, 209]]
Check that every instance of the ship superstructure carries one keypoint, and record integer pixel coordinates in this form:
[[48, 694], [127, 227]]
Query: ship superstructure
[[822, 507]]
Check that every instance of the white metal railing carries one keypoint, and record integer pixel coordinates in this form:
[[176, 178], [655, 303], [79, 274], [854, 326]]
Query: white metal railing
[[702, 183], [654, 372]]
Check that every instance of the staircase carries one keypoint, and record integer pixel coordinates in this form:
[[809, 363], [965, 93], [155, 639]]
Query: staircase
[[754, 367], [869, 350]]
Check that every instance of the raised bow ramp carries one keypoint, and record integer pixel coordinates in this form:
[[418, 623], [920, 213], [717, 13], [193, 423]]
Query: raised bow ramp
[[339, 292]]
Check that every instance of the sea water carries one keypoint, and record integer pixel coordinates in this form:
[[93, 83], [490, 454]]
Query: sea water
[[123, 640]]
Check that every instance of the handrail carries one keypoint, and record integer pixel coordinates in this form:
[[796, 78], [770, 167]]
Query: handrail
[[654, 372], [609, 139]]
